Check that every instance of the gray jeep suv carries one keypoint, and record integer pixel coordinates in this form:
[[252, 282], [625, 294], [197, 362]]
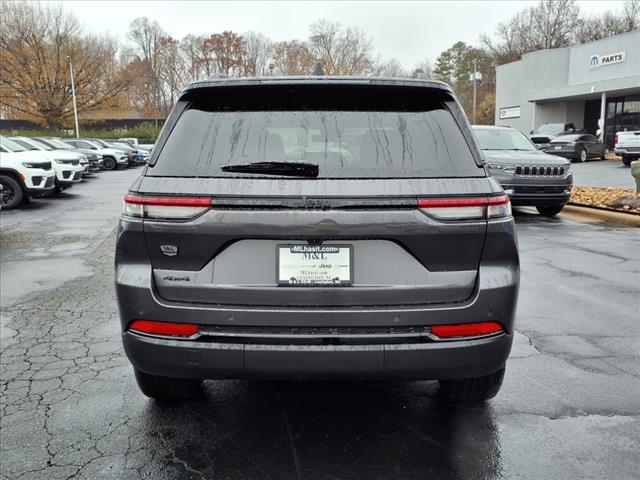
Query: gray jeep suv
[[528, 175], [317, 228]]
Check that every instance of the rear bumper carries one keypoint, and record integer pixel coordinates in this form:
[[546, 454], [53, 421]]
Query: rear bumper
[[631, 152], [427, 361], [494, 299]]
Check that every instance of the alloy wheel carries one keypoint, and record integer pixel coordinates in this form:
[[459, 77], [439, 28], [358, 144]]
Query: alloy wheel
[[583, 156], [8, 194]]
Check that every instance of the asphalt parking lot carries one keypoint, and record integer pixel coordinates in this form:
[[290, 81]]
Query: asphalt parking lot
[[602, 173], [569, 407]]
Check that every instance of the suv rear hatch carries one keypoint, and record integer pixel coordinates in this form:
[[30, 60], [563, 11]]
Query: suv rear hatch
[[279, 176]]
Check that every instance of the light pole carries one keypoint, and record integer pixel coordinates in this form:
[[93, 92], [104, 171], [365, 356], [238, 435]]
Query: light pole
[[73, 94]]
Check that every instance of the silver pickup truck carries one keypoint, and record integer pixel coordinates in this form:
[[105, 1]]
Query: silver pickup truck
[[627, 145]]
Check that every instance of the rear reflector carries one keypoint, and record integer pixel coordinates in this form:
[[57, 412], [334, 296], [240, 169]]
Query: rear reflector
[[164, 328], [466, 208], [466, 329], [171, 208]]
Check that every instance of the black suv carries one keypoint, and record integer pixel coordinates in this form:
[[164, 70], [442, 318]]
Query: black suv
[[317, 228]]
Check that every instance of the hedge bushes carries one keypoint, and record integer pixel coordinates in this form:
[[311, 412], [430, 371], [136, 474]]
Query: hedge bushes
[[145, 133]]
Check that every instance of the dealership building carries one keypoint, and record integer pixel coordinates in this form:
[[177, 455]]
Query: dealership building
[[579, 85]]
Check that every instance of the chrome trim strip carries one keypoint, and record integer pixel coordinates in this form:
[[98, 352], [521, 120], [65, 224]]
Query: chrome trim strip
[[309, 336]]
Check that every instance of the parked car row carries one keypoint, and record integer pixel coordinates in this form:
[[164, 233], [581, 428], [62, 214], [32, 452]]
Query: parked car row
[[41, 166], [565, 140]]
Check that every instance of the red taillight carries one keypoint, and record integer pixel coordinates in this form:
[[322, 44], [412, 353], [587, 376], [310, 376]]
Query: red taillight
[[164, 328], [173, 208], [466, 208], [615, 139], [466, 329]]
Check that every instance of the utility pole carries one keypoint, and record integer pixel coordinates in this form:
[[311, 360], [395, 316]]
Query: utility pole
[[73, 94], [476, 78], [475, 70]]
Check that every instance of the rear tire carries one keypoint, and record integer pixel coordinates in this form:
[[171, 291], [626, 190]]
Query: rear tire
[[583, 155], [477, 389], [109, 163], [627, 161], [549, 210], [12, 193], [167, 389]]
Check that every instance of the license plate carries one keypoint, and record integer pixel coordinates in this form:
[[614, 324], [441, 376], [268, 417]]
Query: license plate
[[558, 147], [314, 265]]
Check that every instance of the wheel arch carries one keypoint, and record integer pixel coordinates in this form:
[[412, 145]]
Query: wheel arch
[[10, 172]]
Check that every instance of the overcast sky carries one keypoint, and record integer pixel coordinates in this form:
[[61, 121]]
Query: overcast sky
[[409, 31]]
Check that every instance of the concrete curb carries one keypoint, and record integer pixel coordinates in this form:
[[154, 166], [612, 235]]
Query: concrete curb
[[588, 214]]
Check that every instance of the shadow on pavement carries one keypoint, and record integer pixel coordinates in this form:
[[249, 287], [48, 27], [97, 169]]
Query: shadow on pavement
[[306, 430]]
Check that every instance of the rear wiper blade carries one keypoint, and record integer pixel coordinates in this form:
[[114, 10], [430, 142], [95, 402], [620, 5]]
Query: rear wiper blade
[[291, 169]]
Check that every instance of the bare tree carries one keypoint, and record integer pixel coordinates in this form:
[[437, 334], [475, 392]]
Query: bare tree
[[192, 49], [549, 24], [631, 15], [37, 42], [391, 68], [292, 58], [147, 38], [555, 24], [258, 53], [172, 68], [608, 23], [341, 51], [423, 70]]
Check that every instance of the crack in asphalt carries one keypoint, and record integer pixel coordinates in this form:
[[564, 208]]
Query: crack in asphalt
[[292, 443]]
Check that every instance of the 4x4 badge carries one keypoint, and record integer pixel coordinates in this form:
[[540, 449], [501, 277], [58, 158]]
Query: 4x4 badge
[[169, 250]]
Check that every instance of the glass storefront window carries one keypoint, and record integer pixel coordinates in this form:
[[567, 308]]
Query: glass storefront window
[[630, 118], [623, 113]]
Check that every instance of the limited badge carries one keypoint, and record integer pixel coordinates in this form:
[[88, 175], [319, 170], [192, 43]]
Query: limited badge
[[169, 250]]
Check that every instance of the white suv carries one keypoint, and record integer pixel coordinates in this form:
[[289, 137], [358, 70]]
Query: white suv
[[112, 158], [23, 176], [66, 166]]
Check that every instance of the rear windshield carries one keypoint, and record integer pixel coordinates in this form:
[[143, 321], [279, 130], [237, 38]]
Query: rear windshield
[[343, 143]]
